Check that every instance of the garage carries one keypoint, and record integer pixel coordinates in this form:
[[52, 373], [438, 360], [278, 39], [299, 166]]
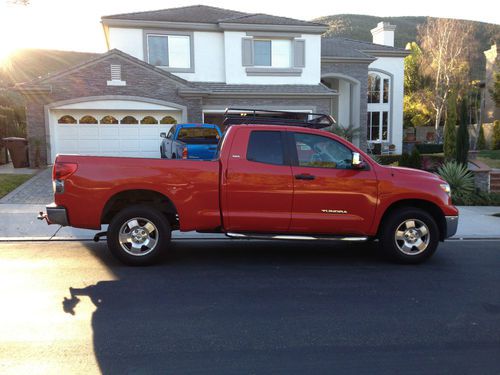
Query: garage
[[110, 128]]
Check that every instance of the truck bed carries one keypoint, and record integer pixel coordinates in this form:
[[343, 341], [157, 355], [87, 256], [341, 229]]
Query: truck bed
[[193, 187]]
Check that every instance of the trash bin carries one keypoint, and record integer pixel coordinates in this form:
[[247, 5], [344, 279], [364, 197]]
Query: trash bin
[[18, 150], [3, 153]]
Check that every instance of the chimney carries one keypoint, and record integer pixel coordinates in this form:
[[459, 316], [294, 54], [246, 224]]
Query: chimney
[[384, 34]]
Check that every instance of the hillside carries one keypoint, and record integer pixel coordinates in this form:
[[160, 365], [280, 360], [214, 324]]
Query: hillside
[[358, 27], [27, 64]]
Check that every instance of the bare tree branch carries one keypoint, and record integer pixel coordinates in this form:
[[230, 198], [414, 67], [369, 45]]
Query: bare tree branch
[[445, 44]]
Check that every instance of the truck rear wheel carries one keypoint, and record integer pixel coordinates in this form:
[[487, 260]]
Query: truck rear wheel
[[409, 235], [137, 235]]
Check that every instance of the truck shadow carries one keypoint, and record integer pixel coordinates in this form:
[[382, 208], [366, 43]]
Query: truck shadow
[[234, 306]]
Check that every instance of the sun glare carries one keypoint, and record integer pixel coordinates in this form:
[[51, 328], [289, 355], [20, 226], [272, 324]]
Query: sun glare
[[11, 31]]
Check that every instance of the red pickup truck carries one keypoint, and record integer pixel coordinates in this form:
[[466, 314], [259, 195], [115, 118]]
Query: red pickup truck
[[268, 181]]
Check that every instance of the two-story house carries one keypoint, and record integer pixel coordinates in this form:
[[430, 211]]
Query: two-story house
[[189, 64]]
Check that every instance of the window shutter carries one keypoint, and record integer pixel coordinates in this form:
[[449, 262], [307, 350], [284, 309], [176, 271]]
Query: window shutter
[[247, 51], [299, 53]]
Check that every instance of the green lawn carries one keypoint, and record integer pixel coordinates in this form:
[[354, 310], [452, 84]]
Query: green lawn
[[490, 157], [9, 182]]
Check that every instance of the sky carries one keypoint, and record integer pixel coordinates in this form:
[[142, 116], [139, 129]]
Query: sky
[[75, 25]]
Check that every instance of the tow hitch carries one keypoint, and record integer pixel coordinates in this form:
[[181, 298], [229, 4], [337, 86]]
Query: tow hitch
[[43, 216]]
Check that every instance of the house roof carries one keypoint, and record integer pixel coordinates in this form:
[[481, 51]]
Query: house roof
[[28, 64], [234, 90], [208, 14], [41, 82], [357, 49]]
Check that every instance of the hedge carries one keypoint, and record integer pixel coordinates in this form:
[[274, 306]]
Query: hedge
[[429, 148]]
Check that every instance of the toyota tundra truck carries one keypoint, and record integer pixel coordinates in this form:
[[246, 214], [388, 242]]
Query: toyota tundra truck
[[272, 178]]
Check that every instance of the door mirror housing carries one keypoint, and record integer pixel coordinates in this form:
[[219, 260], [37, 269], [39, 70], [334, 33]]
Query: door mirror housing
[[163, 135], [357, 163]]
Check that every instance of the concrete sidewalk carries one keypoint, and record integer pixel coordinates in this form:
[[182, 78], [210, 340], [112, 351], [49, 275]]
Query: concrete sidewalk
[[19, 222]]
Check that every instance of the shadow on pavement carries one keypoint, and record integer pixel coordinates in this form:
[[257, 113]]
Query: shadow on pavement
[[260, 307]]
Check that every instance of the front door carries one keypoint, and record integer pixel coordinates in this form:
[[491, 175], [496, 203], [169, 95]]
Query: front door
[[258, 186], [329, 196]]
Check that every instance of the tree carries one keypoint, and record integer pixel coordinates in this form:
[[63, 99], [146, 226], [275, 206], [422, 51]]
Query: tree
[[450, 130], [495, 90], [481, 140], [416, 104], [496, 135], [445, 48], [463, 135]]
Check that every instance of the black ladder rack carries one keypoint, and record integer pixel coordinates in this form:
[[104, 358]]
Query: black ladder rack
[[234, 116]]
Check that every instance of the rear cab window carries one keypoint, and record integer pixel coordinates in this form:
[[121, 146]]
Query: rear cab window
[[266, 147], [199, 135]]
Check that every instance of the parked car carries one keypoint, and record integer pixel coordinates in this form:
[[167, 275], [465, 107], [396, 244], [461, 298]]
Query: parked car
[[272, 179], [190, 141]]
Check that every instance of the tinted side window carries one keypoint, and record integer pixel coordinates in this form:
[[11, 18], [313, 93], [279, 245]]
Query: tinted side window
[[265, 147], [322, 152]]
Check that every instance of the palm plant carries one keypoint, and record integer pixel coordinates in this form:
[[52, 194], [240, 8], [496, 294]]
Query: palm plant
[[459, 178], [346, 132]]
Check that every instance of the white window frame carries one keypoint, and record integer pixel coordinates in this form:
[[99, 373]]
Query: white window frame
[[273, 55], [167, 34], [380, 107]]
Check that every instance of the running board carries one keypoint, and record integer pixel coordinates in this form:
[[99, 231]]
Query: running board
[[257, 236]]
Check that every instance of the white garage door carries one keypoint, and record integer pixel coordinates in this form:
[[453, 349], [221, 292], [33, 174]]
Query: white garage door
[[91, 129]]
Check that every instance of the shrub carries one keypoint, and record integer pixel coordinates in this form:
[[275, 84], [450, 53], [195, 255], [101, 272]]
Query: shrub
[[388, 159], [496, 135], [430, 148], [481, 140], [415, 159], [404, 160], [450, 130], [463, 136], [479, 199], [459, 178]]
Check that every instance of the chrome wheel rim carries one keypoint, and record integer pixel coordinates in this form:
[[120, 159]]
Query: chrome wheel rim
[[412, 237], [138, 236]]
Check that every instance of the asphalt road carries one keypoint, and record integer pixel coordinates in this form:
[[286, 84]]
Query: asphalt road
[[241, 307]]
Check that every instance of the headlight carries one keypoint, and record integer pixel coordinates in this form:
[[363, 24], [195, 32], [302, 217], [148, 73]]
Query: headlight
[[446, 188]]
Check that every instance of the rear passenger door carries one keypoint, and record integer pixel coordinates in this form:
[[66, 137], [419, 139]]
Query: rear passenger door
[[258, 189]]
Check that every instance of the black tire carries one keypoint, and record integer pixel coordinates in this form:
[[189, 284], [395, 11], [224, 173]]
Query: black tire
[[162, 155], [173, 156], [148, 242], [399, 225]]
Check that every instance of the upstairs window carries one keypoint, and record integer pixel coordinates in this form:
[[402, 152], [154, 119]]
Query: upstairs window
[[378, 89], [169, 51], [276, 53]]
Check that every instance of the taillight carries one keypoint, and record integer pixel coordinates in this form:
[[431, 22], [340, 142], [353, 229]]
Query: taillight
[[61, 171], [185, 153]]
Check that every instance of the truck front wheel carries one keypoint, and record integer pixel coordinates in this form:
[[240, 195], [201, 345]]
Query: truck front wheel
[[137, 235], [409, 235]]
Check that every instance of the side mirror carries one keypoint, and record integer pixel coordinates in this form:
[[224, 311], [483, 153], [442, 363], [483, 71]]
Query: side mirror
[[163, 135], [357, 163]]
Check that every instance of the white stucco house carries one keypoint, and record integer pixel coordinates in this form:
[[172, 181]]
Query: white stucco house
[[189, 64]]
